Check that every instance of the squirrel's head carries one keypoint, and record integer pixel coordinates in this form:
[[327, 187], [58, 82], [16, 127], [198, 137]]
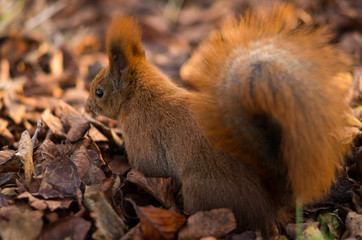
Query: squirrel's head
[[112, 87]]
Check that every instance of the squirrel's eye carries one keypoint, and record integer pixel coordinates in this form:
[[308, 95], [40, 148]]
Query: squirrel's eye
[[99, 93]]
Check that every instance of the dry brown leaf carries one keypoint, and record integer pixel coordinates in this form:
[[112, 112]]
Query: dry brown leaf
[[354, 224], [25, 154], [134, 234], [119, 164], [357, 199], [291, 228], [215, 223], [5, 156], [61, 175], [4, 200], [49, 194], [161, 189], [74, 228], [78, 131], [41, 204], [36, 203], [58, 204], [158, 223], [312, 233], [47, 151], [108, 132], [17, 223], [70, 114], [53, 123], [109, 224], [89, 173], [96, 135]]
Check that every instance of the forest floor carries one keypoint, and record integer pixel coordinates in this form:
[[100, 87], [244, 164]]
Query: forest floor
[[67, 175]]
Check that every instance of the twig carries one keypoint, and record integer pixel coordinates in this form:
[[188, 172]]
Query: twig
[[37, 130]]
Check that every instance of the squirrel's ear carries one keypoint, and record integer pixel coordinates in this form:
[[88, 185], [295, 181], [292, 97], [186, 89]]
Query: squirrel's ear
[[123, 42]]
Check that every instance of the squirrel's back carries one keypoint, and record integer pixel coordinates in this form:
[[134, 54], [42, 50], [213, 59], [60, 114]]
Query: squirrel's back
[[278, 97]]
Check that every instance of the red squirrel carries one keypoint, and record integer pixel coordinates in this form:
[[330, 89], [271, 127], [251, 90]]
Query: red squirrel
[[261, 128]]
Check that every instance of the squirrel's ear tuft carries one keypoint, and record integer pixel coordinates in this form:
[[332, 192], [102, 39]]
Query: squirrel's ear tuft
[[123, 43]]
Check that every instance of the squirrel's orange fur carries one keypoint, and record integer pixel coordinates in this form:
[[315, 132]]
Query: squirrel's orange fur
[[263, 129]]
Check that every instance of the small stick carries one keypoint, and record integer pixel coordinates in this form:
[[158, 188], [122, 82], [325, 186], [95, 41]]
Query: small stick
[[37, 130]]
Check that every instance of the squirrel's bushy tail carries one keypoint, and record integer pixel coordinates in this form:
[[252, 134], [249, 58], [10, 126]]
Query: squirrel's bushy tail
[[278, 100]]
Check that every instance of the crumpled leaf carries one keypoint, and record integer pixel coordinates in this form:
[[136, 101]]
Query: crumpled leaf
[[357, 196], [134, 234], [108, 132], [158, 223], [291, 228], [61, 175], [216, 223], [77, 132], [5, 156], [45, 154], [3, 200], [53, 123], [17, 223], [74, 228], [88, 171], [109, 224], [354, 224], [160, 188], [42, 204], [25, 154]]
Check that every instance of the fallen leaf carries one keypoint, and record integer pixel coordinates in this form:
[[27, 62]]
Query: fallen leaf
[[357, 199], [134, 234], [4, 200], [46, 153], [312, 233], [58, 204], [49, 194], [6, 177], [5, 156], [354, 224], [25, 154], [16, 223], [108, 132], [89, 173], [53, 123], [96, 135], [70, 114], [215, 223], [161, 189], [291, 228], [61, 175], [74, 228], [109, 224], [158, 223], [78, 131], [119, 164]]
